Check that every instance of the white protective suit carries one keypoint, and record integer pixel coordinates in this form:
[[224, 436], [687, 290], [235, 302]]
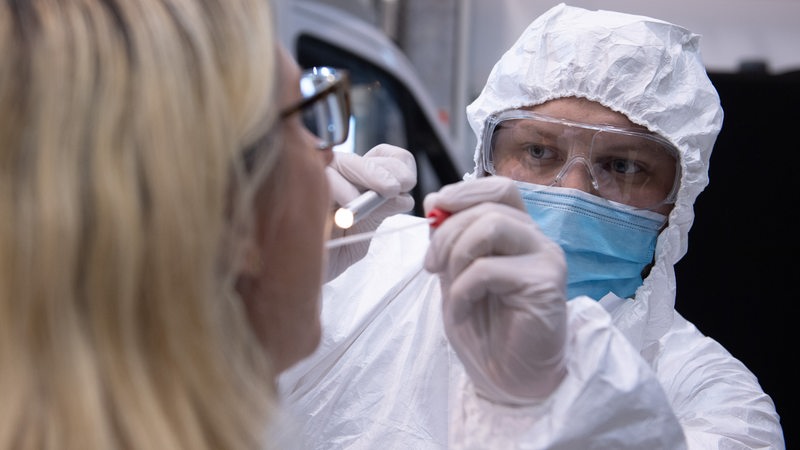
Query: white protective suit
[[638, 374]]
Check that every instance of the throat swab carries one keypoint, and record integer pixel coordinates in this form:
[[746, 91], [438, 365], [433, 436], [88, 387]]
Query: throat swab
[[352, 239], [434, 219]]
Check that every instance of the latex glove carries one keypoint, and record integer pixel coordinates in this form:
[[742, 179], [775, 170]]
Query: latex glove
[[386, 169], [503, 288]]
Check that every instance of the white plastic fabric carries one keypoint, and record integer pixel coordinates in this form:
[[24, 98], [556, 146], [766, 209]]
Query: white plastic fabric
[[639, 375]]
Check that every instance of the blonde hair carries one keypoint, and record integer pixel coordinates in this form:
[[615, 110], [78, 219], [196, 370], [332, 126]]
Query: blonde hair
[[121, 129]]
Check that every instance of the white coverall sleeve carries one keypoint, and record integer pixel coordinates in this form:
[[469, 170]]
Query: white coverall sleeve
[[610, 398], [717, 400]]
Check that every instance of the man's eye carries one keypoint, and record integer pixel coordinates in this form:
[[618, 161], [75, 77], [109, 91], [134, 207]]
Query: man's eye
[[539, 151], [624, 166]]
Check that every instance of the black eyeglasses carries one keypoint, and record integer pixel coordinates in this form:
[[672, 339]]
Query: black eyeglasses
[[325, 107]]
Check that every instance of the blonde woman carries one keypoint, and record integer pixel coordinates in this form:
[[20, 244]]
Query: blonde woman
[[139, 285]]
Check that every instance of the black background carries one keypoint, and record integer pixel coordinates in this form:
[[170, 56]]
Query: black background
[[740, 280]]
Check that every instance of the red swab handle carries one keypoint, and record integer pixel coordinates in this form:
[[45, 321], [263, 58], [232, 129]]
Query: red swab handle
[[438, 216]]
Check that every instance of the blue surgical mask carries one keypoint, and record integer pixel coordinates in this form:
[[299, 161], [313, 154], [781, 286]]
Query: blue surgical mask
[[606, 244]]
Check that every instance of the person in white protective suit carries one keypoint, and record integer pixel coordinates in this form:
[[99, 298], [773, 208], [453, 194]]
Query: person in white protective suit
[[496, 330]]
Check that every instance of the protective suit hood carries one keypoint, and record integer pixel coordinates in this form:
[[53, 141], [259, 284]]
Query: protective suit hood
[[647, 69]]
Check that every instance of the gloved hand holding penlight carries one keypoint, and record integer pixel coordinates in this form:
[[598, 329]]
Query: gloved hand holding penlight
[[387, 171]]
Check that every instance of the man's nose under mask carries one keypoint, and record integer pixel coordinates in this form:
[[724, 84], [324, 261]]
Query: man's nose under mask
[[607, 246]]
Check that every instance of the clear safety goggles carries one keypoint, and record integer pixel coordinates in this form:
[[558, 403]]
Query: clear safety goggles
[[627, 165], [325, 108]]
